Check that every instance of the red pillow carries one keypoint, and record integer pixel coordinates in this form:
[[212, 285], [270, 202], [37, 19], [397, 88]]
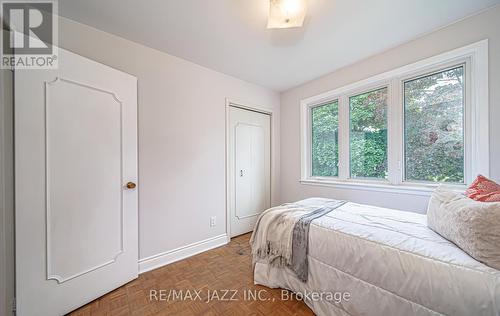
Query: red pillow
[[484, 190]]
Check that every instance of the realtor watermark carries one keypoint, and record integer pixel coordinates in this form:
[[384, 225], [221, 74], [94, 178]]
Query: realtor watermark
[[30, 34], [227, 295]]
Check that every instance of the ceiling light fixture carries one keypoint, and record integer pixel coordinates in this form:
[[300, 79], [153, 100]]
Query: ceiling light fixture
[[286, 13]]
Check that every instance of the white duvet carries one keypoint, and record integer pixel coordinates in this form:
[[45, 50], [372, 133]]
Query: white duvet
[[390, 263]]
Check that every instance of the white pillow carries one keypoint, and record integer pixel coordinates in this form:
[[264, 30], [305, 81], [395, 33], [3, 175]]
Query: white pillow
[[471, 225]]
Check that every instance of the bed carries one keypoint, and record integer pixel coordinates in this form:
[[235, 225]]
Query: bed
[[389, 262]]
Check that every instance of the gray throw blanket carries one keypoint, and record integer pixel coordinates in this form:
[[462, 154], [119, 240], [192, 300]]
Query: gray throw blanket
[[281, 234], [300, 242]]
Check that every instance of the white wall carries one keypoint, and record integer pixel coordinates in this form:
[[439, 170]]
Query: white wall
[[181, 136], [470, 30]]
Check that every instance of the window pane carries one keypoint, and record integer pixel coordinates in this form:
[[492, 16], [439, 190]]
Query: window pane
[[325, 149], [368, 142], [434, 134]]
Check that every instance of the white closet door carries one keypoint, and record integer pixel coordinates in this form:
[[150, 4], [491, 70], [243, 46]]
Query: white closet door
[[75, 152], [249, 167]]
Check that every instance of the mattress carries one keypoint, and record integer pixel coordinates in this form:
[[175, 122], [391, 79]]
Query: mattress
[[386, 262]]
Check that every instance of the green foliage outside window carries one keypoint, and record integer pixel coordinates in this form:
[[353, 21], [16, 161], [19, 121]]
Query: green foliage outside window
[[434, 114], [433, 131], [368, 142], [325, 149]]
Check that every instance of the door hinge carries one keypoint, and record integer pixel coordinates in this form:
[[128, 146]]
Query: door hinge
[[14, 309]]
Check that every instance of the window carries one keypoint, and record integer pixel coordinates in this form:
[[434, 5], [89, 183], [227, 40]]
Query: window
[[325, 149], [368, 134], [434, 121], [406, 130]]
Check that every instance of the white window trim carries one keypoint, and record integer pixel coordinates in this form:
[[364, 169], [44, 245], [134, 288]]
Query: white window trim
[[474, 56]]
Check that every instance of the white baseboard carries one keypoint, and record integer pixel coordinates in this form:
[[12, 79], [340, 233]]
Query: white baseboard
[[159, 260]]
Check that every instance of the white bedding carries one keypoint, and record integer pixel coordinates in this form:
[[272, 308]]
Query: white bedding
[[390, 263]]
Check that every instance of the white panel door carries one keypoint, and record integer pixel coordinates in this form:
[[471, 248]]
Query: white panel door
[[75, 153], [249, 164]]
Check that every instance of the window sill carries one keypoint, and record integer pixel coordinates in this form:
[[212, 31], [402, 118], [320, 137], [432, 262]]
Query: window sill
[[380, 186]]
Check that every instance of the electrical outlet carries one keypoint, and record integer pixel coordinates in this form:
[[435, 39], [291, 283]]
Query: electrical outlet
[[213, 221]]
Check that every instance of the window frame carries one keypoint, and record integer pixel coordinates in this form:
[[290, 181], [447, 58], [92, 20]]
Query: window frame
[[465, 63], [473, 57]]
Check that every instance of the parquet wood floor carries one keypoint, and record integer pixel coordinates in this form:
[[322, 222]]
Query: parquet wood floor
[[211, 273]]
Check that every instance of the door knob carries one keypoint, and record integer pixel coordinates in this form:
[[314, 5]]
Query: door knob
[[130, 185]]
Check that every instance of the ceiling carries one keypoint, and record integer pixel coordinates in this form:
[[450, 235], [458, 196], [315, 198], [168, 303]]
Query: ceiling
[[230, 36]]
